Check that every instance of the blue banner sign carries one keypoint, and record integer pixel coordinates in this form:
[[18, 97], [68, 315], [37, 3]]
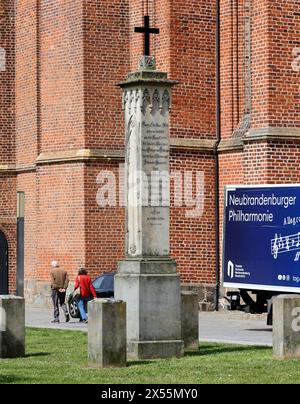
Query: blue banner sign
[[262, 238]]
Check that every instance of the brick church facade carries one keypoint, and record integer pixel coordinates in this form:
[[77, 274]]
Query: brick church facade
[[235, 118]]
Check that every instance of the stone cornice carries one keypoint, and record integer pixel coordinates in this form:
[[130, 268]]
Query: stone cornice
[[7, 168], [119, 155], [260, 135], [84, 155], [146, 77], [198, 145], [25, 168], [184, 144], [12, 169], [272, 133], [233, 144], [80, 155]]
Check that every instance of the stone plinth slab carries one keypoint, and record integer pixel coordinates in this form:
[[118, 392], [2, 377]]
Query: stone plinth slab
[[107, 333], [286, 326], [153, 308], [12, 327], [190, 319]]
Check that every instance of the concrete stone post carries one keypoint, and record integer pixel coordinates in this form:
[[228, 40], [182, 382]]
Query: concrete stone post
[[107, 333], [286, 327], [190, 319], [12, 327]]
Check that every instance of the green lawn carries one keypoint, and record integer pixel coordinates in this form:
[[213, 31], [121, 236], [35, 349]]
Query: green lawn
[[61, 357]]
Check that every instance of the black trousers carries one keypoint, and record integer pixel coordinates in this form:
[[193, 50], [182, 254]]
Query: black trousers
[[59, 299]]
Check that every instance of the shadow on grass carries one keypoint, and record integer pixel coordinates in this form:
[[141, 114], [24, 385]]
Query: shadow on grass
[[10, 379], [37, 354], [205, 350], [136, 363]]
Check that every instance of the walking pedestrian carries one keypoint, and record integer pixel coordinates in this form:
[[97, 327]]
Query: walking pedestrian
[[87, 293], [59, 286]]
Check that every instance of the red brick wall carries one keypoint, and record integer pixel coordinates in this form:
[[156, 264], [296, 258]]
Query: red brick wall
[[192, 63], [106, 62], [231, 173], [260, 62], [60, 218], [7, 138], [105, 226], [185, 48], [7, 82], [193, 238], [284, 34], [70, 55], [26, 183], [61, 75], [26, 82], [276, 29], [8, 222], [232, 33], [272, 163]]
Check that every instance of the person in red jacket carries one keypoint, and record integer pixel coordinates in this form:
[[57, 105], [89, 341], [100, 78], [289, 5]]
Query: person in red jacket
[[87, 292]]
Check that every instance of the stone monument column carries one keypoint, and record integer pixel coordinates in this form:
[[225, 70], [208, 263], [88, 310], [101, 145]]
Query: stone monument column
[[147, 278]]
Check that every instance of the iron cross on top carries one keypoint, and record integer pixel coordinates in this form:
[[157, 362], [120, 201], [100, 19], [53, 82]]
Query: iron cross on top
[[147, 31]]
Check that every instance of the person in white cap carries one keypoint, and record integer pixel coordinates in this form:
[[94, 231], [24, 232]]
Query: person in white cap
[[59, 286]]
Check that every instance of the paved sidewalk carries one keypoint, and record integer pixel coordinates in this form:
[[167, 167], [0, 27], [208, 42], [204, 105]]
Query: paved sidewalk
[[235, 327], [229, 327], [41, 318]]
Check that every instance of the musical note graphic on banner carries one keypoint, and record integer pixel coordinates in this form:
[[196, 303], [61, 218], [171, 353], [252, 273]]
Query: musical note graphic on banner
[[280, 245]]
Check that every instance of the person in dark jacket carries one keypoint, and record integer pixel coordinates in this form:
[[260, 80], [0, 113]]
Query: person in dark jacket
[[59, 286], [87, 292]]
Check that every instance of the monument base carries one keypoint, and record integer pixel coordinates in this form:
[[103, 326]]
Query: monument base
[[151, 289], [12, 327]]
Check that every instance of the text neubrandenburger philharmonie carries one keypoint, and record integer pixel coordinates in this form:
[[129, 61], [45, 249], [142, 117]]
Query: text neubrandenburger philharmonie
[[262, 200]]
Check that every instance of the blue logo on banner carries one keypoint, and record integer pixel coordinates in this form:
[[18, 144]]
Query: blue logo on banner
[[262, 238]]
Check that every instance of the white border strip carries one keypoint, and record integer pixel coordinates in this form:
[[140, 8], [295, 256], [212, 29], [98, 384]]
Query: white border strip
[[260, 287]]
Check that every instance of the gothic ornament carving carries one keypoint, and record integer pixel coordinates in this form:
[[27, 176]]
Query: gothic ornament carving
[[131, 101], [125, 99], [155, 101], [146, 100], [133, 249], [166, 101], [137, 99]]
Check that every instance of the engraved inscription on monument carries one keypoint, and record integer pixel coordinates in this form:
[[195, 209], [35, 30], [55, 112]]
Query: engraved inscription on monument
[[155, 162], [147, 167], [156, 146]]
